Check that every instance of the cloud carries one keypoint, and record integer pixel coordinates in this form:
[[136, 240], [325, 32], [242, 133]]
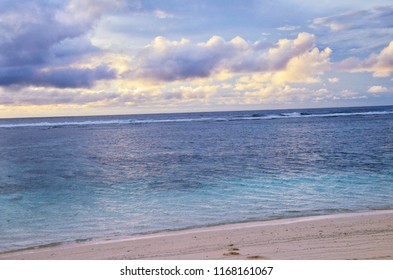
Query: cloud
[[71, 48], [86, 12], [288, 28], [277, 57], [378, 89], [333, 80], [175, 60], [162, 14], [332, 24], [380, 17], [334, 6], [379, 64], [30, 30], [304, 68], [41, 96], [67, 77], [278, 85], [356, 32], [166, 60], [38, 35]]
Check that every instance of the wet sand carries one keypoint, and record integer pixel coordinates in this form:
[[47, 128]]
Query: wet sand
[[367, 235]]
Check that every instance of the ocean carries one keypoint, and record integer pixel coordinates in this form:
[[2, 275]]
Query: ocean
[[69, 179]]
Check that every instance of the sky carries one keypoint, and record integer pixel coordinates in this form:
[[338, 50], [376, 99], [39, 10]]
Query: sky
[[100, 57]]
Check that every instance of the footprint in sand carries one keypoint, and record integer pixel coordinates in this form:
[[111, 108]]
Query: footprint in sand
[[256, 258], [232, 251]]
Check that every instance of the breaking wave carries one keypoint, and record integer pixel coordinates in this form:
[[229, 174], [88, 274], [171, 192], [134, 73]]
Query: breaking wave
[[256, 116]]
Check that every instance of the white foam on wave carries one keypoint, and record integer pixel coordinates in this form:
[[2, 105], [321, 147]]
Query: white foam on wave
[[355, 114], [302, 115], [50, 124], [178, 120], [101, 122]]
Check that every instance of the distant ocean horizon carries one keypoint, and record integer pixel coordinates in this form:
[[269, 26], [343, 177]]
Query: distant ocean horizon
[[124, 118], [64, 179]]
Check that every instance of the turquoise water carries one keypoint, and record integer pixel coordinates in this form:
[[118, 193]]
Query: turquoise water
[[66, 179]]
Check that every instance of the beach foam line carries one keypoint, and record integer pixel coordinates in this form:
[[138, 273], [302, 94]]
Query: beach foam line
[[241, 225], [338, 236]]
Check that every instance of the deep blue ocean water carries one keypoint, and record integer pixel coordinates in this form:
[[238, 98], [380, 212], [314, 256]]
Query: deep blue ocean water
[[74, 178]]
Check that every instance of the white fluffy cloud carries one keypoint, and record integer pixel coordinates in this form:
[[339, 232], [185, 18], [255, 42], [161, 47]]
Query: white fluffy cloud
[[378, 89], [379, 64], [166, 60], [333, 80], [304, 68]]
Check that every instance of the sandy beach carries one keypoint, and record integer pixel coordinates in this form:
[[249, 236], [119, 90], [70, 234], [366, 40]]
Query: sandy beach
[[367, 235]]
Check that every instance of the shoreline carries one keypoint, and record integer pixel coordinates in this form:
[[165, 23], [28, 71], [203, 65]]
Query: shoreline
[[356, 235]]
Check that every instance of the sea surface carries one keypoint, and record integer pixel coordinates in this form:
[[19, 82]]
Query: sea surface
[[80, 178]]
